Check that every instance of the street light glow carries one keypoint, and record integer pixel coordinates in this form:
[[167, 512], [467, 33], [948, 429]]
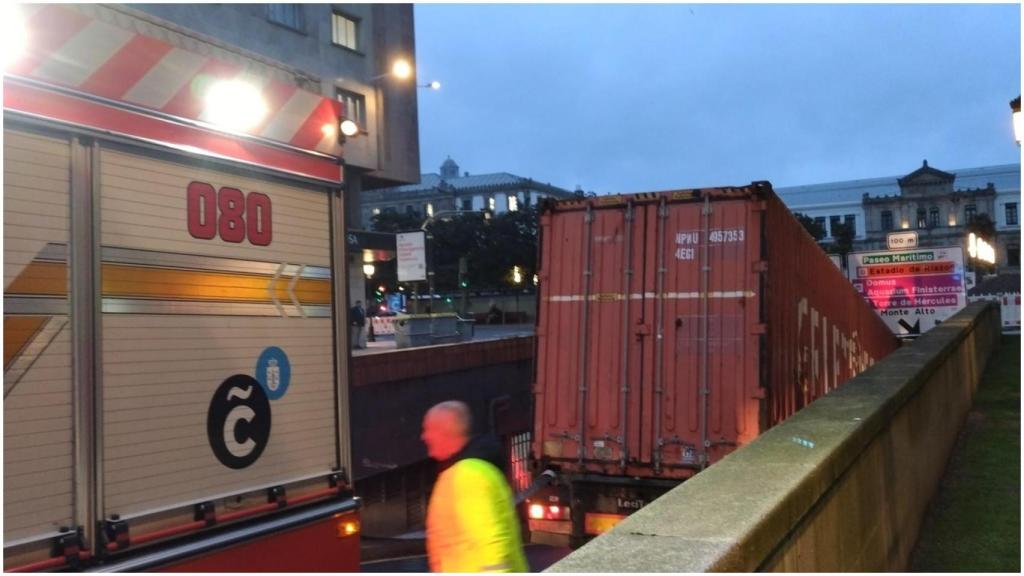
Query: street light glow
[[401, 69], [14, 35], [235, 104], [349, 128]]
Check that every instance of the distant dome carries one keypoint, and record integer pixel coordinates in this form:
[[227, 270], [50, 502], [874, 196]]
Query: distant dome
[[449, 169]]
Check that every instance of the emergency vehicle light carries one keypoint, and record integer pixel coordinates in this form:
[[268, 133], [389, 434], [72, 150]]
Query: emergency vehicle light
[[14, 35], [235, 104]]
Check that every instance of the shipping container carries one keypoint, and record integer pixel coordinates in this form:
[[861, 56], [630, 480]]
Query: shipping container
[[175, 374], [673, 328]]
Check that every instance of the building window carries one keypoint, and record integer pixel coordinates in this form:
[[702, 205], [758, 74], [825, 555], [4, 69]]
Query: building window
[[970, 211], [345, 30], [820, 221], [886, 220], [833, 223], [513, 203], [1011, 213], [289, 15], [952, 218], [429, 209], [851, 221], [467, 203], [410, 210], [355, 106], [922, 218], [1013, 256], [390, 210], [933, 217], [490, 204]]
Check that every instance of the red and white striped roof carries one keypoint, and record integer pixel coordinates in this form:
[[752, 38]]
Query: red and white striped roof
[[70, 49]]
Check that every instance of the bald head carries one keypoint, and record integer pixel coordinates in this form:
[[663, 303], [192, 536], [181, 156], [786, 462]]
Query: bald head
[[446, 429]]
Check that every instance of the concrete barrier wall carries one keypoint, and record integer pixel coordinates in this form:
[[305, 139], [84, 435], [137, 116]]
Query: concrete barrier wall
[[841, 486]]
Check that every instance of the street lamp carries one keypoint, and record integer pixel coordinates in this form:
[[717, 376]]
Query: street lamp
[[433, 85], [1018, 119]]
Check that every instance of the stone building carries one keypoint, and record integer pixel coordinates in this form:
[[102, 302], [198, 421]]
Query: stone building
[[449, 191], [935, 203]]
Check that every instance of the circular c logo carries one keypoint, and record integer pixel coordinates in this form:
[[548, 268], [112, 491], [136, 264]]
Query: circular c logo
[[238, 422]]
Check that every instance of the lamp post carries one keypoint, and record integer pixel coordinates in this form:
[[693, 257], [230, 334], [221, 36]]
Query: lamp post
[[1018, 120]]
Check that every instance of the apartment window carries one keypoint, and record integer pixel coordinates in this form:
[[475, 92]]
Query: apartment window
[[820, 221], [970, 211], [886, 220], [513, 203], [467, 203], [833, 223], [345, 31], [1013, 256], [355, 106], [429, 209], [922, 218], [1011, 214], [933, 217], [490, 204], [851, 221], [289, 15]]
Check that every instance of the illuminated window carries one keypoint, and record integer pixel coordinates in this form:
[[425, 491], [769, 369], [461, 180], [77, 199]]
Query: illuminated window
[[513, 203], [952, 218], [355, 106], [922, 218], [490, 203], [345, 31], [376, 211], [430, 209]]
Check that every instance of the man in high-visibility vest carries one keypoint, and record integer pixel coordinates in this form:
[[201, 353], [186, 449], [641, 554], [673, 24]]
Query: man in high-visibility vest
[[471, 518]]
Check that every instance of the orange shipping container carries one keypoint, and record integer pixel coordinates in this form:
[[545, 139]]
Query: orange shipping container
[[676, 326]]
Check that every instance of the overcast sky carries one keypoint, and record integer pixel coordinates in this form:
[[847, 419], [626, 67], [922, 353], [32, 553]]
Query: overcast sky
[[628, 98]]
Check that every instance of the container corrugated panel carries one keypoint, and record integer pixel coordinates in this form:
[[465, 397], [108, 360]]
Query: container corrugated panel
[[648, 299]]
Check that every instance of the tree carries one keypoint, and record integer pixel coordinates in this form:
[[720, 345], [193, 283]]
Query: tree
[[842, 238], [983, 227], [813, 227], [393, 222]]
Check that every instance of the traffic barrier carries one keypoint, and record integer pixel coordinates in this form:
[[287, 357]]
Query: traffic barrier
[[1009, 308], [383, 325]]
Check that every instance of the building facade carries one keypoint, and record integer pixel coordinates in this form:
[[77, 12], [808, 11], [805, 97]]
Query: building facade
[[937, 204], [341, 51], [455, 191]]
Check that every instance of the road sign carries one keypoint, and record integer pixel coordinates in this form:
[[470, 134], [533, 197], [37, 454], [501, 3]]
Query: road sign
[[912, 290], [901, 240], [412, 258]]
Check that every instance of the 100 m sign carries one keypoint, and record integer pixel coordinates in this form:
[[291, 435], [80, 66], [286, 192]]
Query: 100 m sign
[[228, 213]]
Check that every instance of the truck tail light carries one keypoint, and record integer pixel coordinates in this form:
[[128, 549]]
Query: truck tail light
[[550, 512], [347, 525]]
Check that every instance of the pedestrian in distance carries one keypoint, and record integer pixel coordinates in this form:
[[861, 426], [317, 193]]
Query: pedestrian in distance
[[471, 518], [357, 322]]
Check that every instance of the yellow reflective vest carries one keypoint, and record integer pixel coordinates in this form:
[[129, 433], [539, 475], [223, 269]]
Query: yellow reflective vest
[[471, 521]]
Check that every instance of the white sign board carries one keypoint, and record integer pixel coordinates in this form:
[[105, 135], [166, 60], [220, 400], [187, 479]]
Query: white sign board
[[901, 240], [412, 257], [912, 290]]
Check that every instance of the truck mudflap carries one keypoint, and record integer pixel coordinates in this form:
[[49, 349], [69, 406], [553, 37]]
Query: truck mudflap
[[317, 538]]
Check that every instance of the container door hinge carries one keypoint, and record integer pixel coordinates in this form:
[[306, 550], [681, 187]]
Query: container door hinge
[[206, 512], [69, 544], [761, 328], [277, 494], [116, 531]]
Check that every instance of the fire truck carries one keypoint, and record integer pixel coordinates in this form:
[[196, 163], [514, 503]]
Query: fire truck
[[175, 366]]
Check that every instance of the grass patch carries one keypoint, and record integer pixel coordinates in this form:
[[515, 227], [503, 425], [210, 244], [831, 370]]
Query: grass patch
[[973, 523]]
